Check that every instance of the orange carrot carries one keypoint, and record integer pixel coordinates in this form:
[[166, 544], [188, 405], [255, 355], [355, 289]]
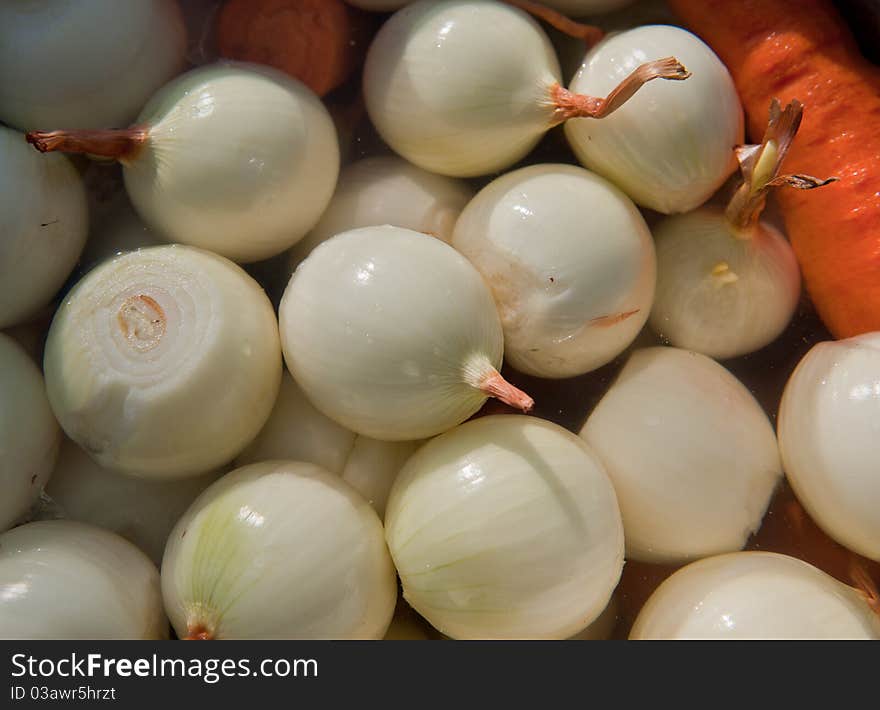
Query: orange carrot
[[802, 49], [320, 42]]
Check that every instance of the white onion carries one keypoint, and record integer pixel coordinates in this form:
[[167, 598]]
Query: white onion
[[29, 434], [692, 456], [62, 580], [755, 595], [469, 87], [670, 147], [393, 334], [279, 550], [237, 158], [602, 627], [570, 262], [506, 527], [43, 226], [829, 435], [164, 362], [85, 64], [296, 431], [388, 190], [143, 511], [119, 231]]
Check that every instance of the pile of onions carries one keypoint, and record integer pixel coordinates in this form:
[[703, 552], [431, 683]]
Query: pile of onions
[[393, 334], [728, 283], [43, 226], [503, 528], [66, 580], [469, 87], [828, 435], [570, 262], [85, 64], [29, 434], [755, 595], [692, 455], [296, 431], [138, 352], [670, 147], [236, 158], [279, 550]]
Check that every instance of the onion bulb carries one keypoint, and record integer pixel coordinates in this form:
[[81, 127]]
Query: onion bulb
[[393, 334], [755, 595], [728, 283], [29, 434], [692, 455], [85, 64], [281, 550], [469, 87], [63, 580], [670, 147], [603, 626], [296, 431], [141, 510], [164, 362], [43, 226], [388, 190], [570, 262], [829, 423], [503, 528], [235, 158]]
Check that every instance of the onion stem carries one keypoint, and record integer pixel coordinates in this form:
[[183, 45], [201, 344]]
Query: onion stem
[[198, 632], [865, 585], [568, 105], [588, 33], [496, 386], [119, 144]]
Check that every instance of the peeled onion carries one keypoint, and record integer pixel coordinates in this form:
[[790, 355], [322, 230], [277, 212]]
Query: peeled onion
[[282, 550], [570, 262], [43, 225], [506, 527], [296, 431], [671, 146], [388, 190], [62, 580], [29, 434], [829, 423], [393, 334], [141, 510], [692, 455], [755, 595], [602, 627], [164, 362], [85, 64], [236, 158]]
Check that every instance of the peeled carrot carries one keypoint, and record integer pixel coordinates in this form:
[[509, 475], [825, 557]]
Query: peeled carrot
[[320, 42], [802, 49]]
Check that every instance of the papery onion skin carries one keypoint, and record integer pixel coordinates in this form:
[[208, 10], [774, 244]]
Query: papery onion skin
[[85, 64], [722, 292], [388, 190], [389, 333], [282, 550], [671, 146], [296, 431], [64, 580], [692, 455], [481, 108], [754, 595], [829, 422], [240, 159], [506, 527], [571, 264], [29, 434], [141, 510], [43, 226], [164, 362]]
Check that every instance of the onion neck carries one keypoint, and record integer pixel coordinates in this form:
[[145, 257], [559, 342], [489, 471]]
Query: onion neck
[[480, 374], [567, 105], [865, 586], [588, 33], [198, 632], [123, 144]]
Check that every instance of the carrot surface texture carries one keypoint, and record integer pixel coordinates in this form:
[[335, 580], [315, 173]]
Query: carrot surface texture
[[787, 49]]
